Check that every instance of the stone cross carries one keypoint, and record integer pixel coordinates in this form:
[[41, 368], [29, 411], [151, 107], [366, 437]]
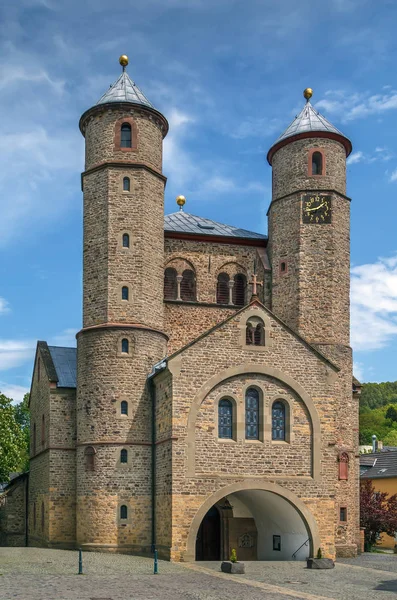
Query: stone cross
[[255, 283]]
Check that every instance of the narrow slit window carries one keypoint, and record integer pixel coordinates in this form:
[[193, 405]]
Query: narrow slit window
[[126, 240], [126, 136], [225, 419], [125, 346], [124, 407], [343, 514], [123, 456], [126, 184], [317, 163], [89, 455], [278, 421], [123, 512], [124, 293]]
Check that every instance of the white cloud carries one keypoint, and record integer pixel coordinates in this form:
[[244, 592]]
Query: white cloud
[[66, 338], [393, 176], [351, 106], [374, 304], [16, 392], [355, 157], [253, 127], [380, 155], [4, 306], [14, 353], [358, 371]]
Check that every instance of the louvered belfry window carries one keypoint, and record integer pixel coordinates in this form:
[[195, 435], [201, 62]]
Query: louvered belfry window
[[278, 421], [126, 136], [225, 419], [170, 284], [240, 283], [222, 289], [252, 414], [188, 286]]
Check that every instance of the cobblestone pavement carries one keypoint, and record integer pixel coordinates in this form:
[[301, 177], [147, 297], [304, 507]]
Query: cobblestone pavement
[[42, 574]]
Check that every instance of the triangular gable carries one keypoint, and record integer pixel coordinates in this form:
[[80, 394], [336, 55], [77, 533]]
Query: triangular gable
[[43, 350], [254, 302]]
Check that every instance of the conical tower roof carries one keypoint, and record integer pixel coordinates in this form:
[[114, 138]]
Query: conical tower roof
[[124, 90], [309, 123]]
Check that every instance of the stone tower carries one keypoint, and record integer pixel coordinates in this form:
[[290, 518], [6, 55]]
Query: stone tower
[[122, 336], [309, 250], [309, 228]]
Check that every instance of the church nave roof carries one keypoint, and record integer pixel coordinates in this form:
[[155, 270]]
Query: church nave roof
[[182, 222]]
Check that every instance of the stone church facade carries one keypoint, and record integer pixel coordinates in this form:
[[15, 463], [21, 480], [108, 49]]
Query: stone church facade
[[209, 404]]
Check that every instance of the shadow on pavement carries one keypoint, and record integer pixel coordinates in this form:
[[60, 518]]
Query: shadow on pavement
[[388, 586]]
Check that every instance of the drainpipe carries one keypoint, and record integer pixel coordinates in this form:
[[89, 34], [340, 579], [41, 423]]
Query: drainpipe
[[152, 391]]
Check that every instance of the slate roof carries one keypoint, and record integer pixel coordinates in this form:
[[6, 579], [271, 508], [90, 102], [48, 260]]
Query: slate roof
[[124, 90], [378, 465], [308, 120], [183, 222], [65, 363]]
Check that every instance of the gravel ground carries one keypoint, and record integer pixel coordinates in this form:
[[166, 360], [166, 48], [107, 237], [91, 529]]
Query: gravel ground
[[42, 574]]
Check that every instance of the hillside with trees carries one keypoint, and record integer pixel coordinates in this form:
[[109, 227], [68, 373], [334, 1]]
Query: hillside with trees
[[378, 412]]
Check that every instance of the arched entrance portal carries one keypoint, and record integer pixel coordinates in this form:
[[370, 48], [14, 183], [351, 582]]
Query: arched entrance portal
[[259, 524]]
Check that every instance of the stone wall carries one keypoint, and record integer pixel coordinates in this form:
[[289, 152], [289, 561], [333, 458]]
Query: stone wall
[[13, 513]]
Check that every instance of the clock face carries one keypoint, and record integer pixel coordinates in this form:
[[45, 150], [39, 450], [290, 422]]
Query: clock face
[[316, 209]]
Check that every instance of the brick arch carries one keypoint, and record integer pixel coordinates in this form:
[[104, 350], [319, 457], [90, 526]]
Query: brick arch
[[249, 484], [262, 370], [117, 134], [231, 268], [179, 263]]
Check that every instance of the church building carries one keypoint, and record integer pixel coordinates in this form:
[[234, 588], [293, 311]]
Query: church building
[[209, 405]]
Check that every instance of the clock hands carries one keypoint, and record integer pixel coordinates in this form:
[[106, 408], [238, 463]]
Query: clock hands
[[315, 208]]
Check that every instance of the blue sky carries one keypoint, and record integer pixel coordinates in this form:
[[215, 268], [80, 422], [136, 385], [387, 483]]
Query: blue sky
[[229, 76]]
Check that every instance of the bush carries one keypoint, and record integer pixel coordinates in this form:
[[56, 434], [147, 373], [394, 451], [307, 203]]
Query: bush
[[233, 556]]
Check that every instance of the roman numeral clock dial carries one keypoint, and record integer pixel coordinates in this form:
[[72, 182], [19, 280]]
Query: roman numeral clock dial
[[316, 209]]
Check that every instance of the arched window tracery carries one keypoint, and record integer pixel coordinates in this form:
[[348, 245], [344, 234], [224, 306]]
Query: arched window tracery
[[225, 419], [252, 414], [255, 332], [278, 420]]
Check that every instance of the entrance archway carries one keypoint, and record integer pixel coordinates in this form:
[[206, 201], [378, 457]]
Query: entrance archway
[[208, 541], [265, 522]]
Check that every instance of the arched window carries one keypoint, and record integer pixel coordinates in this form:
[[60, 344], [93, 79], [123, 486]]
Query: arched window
[[124, 407], [42, 430], [255, 332], [240, 284], [34, 440], [123, 511], [124, 292], [225, 419], [222, 289], [317, 163], [170, 284], [125, 345], [126, 240], [89, 457], [252, 414], [42, 516], [344, 466], [126, 184], [188, 286], [123, 456], [126, 136], [278, 421]]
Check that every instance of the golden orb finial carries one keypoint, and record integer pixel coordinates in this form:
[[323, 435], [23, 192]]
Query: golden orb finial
[[123, 60], [181, 201], [308, 93]]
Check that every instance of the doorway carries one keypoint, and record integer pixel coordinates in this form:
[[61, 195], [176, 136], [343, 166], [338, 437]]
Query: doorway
[[208, 542]]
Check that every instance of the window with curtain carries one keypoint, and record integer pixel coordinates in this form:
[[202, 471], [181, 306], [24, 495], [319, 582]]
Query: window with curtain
[[123, 456], [278, 420], [222, 289], [225, 419], [317, 163], [124, 407], [188, 286], [126, 136], [170, 284], [252, 414], [240, 284]]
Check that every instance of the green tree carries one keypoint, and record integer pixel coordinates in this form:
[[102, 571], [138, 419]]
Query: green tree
[[391, 413], [391, 438], [22, 416], [12, 440]]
